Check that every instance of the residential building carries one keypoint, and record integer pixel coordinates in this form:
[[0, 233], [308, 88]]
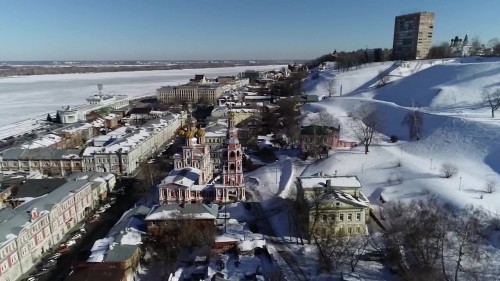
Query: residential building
[[215, 135], [413, 36], [121, 151], [163, 219], [49, 161], [251, 74], [120, 249], [339, 202], [30, 230], [102, 184], [316, 139]]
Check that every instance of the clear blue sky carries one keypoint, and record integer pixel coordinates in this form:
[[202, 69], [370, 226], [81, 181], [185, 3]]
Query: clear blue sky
[[221, 29]]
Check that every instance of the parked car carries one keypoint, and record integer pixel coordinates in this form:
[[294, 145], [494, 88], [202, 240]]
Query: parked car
[[106, 206], [76, 236], [49, 264], [63, 249], [94, 218], [101, 210], [82, 230], [54, 256], [31, 278], [42, 272], [70, 242]]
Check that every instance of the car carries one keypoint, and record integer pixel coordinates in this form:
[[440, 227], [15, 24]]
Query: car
[[31, 278], [106, 206], [76, 236], [101, 210], [49, 264], [82, 230], [70, 242], [63, 249], [93, 218], [151, 161], [42, 272], [54, 256]]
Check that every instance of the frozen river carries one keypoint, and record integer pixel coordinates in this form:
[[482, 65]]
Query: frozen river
[[29, 96]]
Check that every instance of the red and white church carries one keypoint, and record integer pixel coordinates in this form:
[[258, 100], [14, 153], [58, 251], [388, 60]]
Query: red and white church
[[192, 180]]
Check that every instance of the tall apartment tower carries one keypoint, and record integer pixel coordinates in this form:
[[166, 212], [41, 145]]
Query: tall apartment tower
[[412, 36]]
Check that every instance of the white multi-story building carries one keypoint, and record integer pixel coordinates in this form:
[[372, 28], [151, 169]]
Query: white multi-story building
[[30, 230], [122, 154], [190, 93]]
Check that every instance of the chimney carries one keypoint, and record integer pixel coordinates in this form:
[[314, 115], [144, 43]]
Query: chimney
[[335, 173]]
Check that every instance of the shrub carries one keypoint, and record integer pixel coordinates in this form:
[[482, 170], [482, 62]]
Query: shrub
[[394, 139], [448, 170]]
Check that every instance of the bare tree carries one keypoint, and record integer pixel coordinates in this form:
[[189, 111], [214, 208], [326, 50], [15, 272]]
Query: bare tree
[[365, 122], [493, 100], [315, 201], [331, 87], [490, 186], [463, 246], [414, 120], [448, 170]]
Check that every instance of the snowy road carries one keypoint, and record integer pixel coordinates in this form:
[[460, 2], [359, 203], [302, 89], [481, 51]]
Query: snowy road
[[278, 246]]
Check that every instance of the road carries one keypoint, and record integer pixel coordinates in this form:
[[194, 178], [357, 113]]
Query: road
[[292, 271], [95, 231]]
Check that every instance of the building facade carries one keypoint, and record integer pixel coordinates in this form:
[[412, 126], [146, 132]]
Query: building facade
[[124, 153], [30, 230], [316, 139], [336, 203], [52, 162], [413, 36], [208, 93], [195, 153]]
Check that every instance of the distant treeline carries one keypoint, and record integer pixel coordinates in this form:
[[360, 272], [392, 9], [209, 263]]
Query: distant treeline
[[7, 70]]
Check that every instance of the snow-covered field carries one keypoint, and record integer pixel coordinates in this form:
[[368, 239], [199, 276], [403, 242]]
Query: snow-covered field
[[457, 128], [29, 96]]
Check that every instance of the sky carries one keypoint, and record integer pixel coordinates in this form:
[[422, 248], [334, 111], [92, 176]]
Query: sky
[[221, 29]]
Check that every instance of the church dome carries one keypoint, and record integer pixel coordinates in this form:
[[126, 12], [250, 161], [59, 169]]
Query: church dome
[[200, 132]]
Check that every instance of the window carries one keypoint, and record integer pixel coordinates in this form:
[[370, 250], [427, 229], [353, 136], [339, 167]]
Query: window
[[324, 217], [358, 216], [13, 258], [349, 217], [5, 266], [333, 217], [358, 229], [341, 217], [337, 204]]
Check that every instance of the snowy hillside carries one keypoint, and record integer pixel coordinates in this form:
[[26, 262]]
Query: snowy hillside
[[456, 129]]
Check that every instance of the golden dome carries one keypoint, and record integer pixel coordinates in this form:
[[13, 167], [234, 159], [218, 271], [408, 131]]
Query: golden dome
[[200, 132], [189, 134]]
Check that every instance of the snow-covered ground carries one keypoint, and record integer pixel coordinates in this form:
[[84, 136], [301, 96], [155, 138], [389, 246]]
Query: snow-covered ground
[[457, 128], [29, 96]]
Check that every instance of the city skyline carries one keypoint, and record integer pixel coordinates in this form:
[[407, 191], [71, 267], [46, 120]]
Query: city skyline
[[222, 30]]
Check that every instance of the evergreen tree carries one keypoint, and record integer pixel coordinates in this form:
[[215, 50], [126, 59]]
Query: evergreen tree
[[49, 119], [58, 118]]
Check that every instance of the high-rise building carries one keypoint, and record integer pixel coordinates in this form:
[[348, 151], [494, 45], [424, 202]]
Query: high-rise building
[[412, 36]]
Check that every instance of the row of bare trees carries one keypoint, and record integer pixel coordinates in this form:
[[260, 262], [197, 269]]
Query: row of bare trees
[[430, 241]]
